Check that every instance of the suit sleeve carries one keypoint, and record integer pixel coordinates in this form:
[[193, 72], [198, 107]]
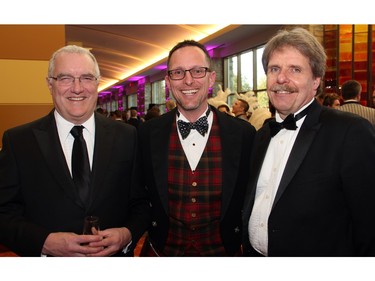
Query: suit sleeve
[[357, 173]]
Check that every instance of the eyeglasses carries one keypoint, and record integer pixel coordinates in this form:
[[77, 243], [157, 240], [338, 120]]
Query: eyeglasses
[[68, 80], [196, 72]]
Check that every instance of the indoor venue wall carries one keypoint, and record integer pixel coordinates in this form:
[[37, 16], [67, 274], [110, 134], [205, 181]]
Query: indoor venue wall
[[24, 55]]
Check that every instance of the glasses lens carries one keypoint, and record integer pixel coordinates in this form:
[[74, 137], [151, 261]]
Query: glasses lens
[[198, 72], [176, 74], [87, 79], [179, 74], [65, 80]]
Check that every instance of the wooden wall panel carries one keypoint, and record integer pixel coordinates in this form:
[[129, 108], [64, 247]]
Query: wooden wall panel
[[25, 50], [30, 42], [17, 114]]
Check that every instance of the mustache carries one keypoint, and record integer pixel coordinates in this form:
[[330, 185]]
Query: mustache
[[285, 88]]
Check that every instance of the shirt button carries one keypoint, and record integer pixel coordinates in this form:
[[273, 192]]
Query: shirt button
[[193, 200], [194, 183]]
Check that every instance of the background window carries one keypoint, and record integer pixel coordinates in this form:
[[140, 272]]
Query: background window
[[244, 72]]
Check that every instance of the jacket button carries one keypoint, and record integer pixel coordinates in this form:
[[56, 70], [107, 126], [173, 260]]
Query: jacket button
[[154, 224], [237, 230]]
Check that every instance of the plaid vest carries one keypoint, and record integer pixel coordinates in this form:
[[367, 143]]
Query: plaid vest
[[195, 199]]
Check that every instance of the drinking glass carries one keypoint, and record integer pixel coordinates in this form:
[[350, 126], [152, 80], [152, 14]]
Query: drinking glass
[[91, 225]]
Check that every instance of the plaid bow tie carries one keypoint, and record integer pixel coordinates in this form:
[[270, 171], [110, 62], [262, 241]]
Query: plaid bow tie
[[201, 125]]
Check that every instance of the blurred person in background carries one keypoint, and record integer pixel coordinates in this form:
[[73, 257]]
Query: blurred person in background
[[331, 100]]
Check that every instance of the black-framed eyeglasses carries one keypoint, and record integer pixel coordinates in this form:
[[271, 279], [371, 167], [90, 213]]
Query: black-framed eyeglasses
[[68, 80], [196, 72]]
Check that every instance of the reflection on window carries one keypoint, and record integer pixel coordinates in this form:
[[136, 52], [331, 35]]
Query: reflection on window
[[244, 72], [261, 74], [132, 100], [158, 94], [231, 72]]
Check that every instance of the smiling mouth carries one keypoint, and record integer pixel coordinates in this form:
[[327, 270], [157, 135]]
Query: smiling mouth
[[283, 90], [76, 98], [189, 92]]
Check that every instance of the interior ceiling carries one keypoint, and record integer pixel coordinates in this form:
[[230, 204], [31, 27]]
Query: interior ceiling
[[126, 50]]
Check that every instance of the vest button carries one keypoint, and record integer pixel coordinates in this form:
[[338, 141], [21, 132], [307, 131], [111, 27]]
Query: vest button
[[194, 183]]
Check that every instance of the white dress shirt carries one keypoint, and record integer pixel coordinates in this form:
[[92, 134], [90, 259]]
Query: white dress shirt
[[194, 143], [66, 138], [270, 175]]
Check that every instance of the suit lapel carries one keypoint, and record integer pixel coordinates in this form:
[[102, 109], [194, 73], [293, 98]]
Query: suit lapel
[[102, 153], [159, 135], [301, 146], [49, 144], [231, 156]]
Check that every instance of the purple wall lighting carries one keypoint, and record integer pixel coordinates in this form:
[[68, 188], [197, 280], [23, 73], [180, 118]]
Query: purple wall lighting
[[161, 67], [105, 93], [135, 78], [141, 96]]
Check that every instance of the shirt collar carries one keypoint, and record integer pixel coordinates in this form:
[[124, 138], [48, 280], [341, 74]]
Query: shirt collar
[[64, 126], [278, 118], [181, 116]]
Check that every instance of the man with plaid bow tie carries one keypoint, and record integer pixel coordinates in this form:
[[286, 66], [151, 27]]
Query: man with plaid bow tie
[[195, 165]]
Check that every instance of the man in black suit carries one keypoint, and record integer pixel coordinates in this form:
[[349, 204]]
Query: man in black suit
[[312, 188], [196, 175], [41, 212], [134, 119]]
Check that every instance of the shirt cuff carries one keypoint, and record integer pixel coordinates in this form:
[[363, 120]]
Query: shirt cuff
[[125, 250]]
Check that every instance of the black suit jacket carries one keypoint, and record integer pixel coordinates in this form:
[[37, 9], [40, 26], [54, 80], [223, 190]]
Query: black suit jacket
[[134, 122], [38, 196], [324, 205], [236, 140]]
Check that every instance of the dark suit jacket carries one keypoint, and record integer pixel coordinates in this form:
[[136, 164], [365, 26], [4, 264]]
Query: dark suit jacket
[[134, 121], [38, 196], [236, 140], [324, 205]]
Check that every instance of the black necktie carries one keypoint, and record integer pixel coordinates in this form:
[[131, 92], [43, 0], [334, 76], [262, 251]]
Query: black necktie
[[289, 122], [201, 125], [80, 164]]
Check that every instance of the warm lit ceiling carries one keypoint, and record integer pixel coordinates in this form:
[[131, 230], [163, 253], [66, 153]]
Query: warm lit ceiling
[[123, 50], [127, 52]]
